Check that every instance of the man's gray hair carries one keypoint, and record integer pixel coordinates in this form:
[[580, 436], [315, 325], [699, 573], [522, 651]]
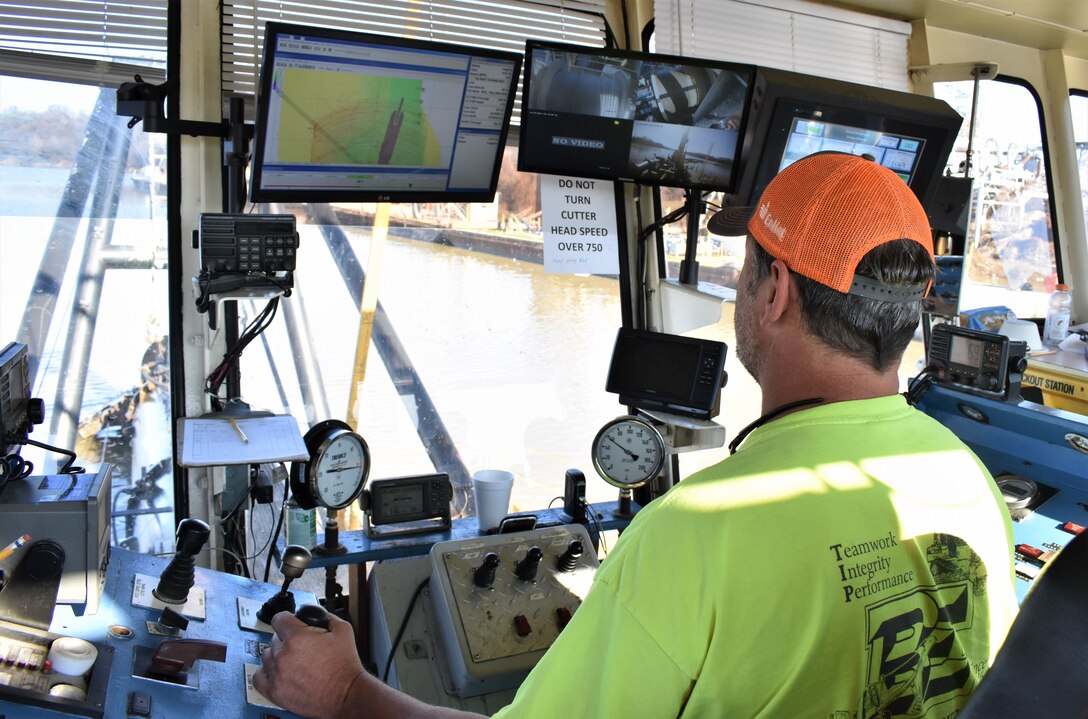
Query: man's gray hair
[[872, 331]]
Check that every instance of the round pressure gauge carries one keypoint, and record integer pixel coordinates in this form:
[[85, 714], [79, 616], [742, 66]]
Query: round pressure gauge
[[628, 452], [336, 471]]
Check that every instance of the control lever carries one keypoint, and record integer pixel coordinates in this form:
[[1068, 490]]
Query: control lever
[[296, 559], [484, 575], [568, 560], [173, 658], [314, 615], [526, 569], [179, 576]]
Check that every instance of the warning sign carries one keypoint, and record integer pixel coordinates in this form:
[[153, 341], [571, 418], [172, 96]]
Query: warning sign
[[579, 222]]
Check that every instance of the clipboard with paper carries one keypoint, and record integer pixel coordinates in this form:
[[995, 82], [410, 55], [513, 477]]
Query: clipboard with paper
[[215, 441]]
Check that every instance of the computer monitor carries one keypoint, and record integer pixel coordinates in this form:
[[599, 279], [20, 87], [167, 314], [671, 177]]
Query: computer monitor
[[358, 117], [794, 115], [635, 117]]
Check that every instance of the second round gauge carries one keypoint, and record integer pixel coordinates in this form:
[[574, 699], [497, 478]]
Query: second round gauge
[[628, 452]]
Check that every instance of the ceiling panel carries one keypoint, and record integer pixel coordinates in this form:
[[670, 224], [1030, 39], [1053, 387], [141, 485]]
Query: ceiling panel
[[1045, 24]]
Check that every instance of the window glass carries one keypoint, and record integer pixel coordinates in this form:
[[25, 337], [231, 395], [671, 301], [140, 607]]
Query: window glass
[[1078, 104], [477, 358], [83, 285], [1010, 258]]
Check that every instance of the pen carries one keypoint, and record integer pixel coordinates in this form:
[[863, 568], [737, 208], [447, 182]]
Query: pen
[[239, 430], [10, 549]]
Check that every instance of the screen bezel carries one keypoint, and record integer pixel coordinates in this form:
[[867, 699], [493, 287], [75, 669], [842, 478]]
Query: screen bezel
[[273, 30], [527, 133]]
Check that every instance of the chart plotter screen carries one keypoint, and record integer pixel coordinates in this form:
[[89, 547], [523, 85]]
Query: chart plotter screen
[[360, 117]]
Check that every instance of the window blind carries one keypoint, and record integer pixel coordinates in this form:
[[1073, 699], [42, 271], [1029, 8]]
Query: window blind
[[92, 41], [496, 24], [794, 35]]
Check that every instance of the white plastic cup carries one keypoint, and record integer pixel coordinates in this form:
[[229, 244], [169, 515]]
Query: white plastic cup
[[492, 489]]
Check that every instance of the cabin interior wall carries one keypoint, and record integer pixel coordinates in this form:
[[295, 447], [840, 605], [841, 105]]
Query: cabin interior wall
[[640, 13]]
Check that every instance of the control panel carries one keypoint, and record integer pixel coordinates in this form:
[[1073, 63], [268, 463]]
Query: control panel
[[42, 669], [502, 600], [463, 626], [140, 656], [1039, 458]]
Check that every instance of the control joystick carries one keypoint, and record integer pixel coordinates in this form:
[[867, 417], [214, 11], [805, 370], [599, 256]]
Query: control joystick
[[296, 560], [179, 576], [568, 560], [314, 615], [484, 575], [526, 569]]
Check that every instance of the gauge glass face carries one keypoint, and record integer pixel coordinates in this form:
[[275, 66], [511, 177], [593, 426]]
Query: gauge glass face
[[338, 474], [628, 452]]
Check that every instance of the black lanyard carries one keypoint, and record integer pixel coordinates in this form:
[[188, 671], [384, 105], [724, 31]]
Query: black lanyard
[[743, 434]]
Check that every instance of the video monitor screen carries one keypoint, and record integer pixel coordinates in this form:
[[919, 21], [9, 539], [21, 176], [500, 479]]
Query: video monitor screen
[[356, 117], [896, 152], [634, 117], [794, 115]]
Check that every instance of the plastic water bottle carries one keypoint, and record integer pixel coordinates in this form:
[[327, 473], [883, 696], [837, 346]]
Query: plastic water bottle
[[301, 525], [1058, 315]]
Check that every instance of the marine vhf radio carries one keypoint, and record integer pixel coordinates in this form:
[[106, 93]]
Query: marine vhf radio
[[982, 363]]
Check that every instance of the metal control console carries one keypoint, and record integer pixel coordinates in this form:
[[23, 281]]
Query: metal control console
[[502, 600], [1039, 458]]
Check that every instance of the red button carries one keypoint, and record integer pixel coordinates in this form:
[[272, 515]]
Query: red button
[[562, 617], [521, 626], [1029, 551]]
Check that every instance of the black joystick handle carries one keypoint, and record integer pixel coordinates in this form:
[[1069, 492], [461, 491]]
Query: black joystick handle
[[568, 560], [484, 576], [179, 576], [526, 569], [314, 615]]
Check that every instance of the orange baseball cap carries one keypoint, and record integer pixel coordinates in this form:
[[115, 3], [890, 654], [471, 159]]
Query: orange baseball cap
[[823, 213]]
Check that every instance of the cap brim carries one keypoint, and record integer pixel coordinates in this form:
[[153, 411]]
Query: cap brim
[[730, 221]]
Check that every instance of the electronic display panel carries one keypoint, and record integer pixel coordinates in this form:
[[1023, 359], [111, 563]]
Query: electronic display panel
[[794, 115], [359, 117], [671, 373], [898, 153], [634, 117], [966, 351]]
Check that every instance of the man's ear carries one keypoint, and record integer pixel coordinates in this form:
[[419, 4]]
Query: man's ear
[[781, 292]]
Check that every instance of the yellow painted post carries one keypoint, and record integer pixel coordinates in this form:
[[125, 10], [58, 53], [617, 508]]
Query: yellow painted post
[[367, 307]]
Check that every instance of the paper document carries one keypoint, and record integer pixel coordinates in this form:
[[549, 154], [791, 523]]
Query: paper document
[[249, 440]]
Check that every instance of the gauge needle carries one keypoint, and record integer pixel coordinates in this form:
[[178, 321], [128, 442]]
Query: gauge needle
[[341, 469], [626, 451]]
